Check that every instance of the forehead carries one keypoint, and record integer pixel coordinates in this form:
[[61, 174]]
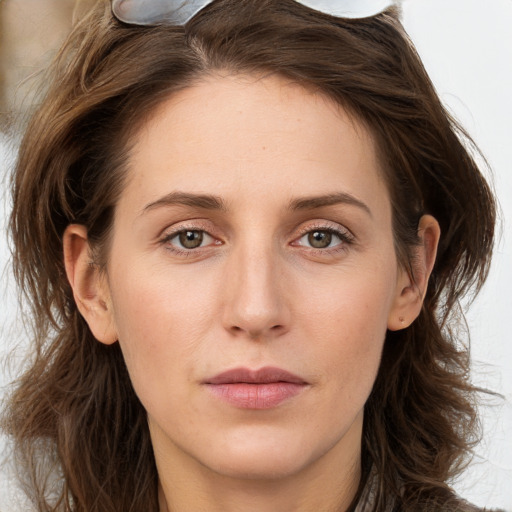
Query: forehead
[[258, 134]]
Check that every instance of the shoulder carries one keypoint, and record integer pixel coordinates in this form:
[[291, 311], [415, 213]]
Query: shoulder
[[452, 505], [462, 506]]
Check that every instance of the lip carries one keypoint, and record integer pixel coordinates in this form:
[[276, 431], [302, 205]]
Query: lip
[[265, 388]]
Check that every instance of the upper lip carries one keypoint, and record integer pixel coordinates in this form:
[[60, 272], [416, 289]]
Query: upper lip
[[265, 375]]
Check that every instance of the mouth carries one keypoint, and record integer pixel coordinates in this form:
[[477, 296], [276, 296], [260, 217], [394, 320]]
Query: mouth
[[265, 388]]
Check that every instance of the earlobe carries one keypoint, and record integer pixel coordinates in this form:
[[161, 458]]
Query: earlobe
[[412, 283], [89, 284]]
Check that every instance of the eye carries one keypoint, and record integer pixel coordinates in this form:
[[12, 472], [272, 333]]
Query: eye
[[189, 239], [323, 238], [320, 239]]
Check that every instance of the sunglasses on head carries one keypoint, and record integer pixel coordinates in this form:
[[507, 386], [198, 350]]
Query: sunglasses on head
[[179, 12]]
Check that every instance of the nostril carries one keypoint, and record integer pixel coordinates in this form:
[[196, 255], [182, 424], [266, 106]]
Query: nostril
[[257, 333]]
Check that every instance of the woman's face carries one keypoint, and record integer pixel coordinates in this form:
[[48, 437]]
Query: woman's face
[[253, 237]]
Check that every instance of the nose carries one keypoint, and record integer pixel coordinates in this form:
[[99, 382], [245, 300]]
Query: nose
[[254, 292]]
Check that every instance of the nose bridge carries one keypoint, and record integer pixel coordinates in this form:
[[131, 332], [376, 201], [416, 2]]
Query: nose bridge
[[254, 302]]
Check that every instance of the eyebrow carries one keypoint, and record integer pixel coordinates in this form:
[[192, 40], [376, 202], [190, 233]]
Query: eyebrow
[[203, 201], [314, 202], [211, 202]]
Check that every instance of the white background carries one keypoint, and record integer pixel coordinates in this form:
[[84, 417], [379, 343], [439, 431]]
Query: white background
[[466, 46]]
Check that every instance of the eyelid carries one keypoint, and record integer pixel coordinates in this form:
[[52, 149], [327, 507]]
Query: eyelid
[[346, 237], [344, 234], [189, 225], [330, 226], [177, 234]]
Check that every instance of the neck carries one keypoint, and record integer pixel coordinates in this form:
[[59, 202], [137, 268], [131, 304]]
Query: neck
[[328, 484], [259, 496]]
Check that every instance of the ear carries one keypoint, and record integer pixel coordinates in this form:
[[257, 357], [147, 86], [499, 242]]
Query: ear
[[412, 288], [89, 285]]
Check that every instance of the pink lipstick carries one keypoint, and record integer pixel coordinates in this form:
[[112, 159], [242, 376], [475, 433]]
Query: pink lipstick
[[255, 389]]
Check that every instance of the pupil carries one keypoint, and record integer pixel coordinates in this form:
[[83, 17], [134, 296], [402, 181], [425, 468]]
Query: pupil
[[191, 239], [320, 239]]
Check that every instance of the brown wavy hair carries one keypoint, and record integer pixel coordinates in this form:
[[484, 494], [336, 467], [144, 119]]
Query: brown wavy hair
[[80, 432]]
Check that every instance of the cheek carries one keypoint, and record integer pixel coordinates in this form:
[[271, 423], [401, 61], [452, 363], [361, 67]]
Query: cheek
[[162, 321], [169, 325], [151, 299], [345, 321]]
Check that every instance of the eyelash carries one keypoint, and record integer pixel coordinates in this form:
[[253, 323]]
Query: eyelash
[[346, 239], [168, 237], [345, 236]]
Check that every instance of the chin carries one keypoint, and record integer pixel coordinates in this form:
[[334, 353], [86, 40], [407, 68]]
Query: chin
[[261, 459], [264, 467]]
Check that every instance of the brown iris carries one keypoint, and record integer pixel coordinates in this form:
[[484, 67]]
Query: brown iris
[[191, 239], [320, 239]]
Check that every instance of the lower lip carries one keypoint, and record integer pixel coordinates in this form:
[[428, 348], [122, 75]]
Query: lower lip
[[256, 396]]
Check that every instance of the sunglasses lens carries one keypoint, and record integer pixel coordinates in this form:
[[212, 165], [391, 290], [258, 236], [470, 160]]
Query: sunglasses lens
[[178, 12], [149, 12], [349, 8]]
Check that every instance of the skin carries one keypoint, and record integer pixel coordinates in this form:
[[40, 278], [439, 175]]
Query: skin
[[255, 293]]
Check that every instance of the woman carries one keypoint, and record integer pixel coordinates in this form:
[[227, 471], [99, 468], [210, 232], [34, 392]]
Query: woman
[[244, 234]]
